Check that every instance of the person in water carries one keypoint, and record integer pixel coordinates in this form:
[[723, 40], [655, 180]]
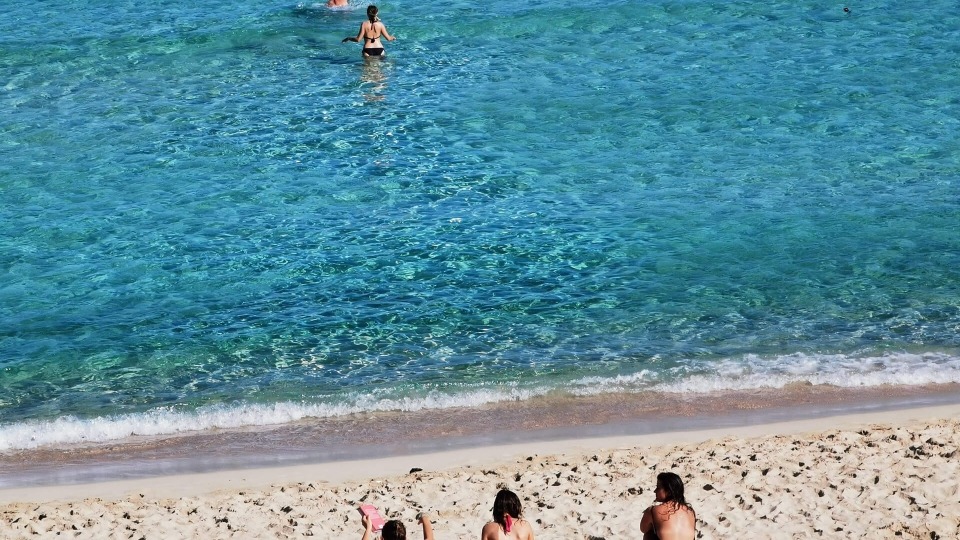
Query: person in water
[[507, 523], [370, 32], [337, 3], [394, 529], [672, 518]]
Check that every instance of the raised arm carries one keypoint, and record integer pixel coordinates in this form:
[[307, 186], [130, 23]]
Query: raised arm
[[367, 528], [427, 526]]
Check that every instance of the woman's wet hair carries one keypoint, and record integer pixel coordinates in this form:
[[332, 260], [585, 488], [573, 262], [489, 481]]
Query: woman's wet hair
[[506, 502], [394, 530], [673, 485], [372, 13]]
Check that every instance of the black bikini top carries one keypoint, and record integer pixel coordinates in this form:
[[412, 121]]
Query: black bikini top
[[373, 28]]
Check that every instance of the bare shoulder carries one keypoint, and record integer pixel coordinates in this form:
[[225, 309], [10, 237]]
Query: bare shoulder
[[664, 511], [489, 531], [525, 526], [661, 510]]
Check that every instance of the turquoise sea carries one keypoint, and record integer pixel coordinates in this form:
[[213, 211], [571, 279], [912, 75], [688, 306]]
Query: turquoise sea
[[213, 214]]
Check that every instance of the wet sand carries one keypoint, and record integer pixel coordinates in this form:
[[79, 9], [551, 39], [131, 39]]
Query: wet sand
[[382, 435], [875, 474]]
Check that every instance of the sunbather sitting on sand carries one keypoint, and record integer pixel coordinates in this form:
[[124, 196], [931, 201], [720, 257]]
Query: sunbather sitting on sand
[[507, 523], [672, 518]]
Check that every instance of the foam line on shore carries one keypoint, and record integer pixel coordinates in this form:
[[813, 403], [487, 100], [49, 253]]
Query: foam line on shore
[[342, 471]]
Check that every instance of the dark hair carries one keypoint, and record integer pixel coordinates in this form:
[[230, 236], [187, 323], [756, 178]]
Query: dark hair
[[673, 485], [506, 502], [372, 13], [394, 530]]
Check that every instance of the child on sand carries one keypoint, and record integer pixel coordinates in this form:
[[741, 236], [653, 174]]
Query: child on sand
[[395, 530]]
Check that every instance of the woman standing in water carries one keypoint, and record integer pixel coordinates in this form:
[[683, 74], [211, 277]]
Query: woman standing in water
[[370, 32]]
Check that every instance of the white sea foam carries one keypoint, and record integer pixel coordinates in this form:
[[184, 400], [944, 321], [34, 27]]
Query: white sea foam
[[748, 373], [166, 421], [753, 372]]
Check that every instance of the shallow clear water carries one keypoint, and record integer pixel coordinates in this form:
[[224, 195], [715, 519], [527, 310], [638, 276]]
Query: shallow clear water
[[215, 214]]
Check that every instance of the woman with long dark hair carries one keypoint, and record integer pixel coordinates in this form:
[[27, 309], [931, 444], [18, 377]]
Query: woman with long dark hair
[[371, 31], [672, 517], [508, 522]]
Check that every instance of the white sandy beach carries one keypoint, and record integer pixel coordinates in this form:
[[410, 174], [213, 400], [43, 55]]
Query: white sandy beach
[[893, 474]]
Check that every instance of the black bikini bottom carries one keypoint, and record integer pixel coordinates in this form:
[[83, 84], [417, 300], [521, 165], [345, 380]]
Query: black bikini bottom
[[373, 52]]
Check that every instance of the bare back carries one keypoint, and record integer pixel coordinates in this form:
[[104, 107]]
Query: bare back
[[521, 531], [371, 32], [673, 521]]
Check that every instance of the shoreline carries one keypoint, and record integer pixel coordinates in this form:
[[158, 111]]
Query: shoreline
[[881, 474], [456, 436]]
